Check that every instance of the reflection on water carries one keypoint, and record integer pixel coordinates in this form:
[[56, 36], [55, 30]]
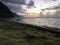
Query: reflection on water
[[51, 22]]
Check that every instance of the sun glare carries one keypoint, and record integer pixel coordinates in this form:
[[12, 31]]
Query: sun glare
[[33, 10]]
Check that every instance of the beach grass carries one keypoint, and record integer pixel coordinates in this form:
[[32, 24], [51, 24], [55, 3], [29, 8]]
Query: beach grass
[[13, 33]]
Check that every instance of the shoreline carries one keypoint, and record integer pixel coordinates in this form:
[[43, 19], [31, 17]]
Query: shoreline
[[38, 27], [18, 20]]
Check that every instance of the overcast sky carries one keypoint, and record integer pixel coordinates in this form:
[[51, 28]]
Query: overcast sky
[[29, 6]]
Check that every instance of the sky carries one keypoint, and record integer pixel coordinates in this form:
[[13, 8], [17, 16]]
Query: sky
[[42, 4], [31, 7]]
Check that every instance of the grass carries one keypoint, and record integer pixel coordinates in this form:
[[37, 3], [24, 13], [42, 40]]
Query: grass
[[12, 33]]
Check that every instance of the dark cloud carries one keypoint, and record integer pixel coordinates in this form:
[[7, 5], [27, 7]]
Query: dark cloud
[[15, 5], [57, 8], [15, 1], [53, 7], [53, 0], [30, 4], [50, 1]]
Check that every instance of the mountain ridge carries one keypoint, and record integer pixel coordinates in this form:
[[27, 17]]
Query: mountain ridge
[[5, 11]]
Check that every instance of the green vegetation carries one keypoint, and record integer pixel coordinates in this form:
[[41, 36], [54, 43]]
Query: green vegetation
[[12, 33]]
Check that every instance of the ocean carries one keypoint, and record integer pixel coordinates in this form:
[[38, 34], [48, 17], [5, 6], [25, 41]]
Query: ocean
[[50, 22]]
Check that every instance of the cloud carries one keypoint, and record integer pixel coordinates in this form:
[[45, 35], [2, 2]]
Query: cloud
[[54, 0], [53, 7], [15, 1], [30, 4], [50, 0], [57, 8], [15, 5]]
